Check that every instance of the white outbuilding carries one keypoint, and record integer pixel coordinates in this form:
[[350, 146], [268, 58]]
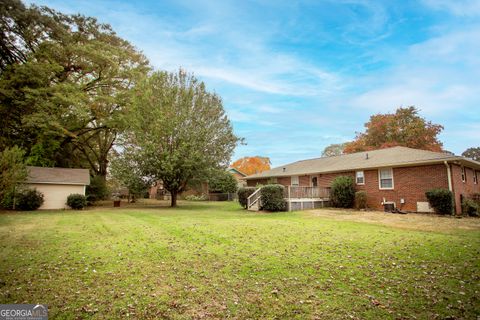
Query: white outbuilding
[[57, 184]]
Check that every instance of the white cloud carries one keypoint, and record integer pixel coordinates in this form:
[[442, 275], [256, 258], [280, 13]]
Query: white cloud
[[440, 74], [457, 7]]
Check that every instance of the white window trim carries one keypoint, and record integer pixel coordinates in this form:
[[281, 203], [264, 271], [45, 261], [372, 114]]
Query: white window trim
[[356, 178], [475, 177], [463, 174], [380, 182], [298, 181]]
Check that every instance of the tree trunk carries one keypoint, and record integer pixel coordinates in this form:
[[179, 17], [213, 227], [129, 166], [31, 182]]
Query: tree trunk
[[173, 202]]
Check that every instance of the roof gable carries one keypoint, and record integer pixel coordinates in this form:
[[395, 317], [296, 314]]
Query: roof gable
[[58, 175], [235, 170]]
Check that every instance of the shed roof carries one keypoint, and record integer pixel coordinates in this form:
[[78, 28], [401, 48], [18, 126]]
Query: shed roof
[[390, 157], [58, 176]]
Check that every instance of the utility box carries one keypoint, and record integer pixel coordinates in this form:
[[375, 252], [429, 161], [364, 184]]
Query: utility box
[[424, 207]]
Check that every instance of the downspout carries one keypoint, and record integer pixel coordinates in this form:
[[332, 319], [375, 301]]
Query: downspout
[[450, 188], [449, 175]]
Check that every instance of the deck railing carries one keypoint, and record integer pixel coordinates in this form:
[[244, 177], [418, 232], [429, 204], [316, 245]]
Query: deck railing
[[296, 192], [254, 198]]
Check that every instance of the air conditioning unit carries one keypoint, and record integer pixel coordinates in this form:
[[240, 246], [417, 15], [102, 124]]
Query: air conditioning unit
[[388, 206]]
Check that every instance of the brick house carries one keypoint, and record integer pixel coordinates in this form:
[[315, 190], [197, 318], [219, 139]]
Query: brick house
[[397, 175]]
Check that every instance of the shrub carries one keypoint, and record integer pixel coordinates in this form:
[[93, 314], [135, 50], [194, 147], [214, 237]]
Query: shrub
[[77, 201], [29, 199], [272, 197], [7, 201], [441, 200], [193, 197], [361, 199], [470, 207], [343, 192], [222, 181], [243, 194]]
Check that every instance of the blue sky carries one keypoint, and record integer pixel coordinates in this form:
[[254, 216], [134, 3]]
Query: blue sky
[[296, 76]]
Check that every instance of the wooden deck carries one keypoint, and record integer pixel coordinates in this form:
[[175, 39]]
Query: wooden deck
[[304, 198], [297, 198]]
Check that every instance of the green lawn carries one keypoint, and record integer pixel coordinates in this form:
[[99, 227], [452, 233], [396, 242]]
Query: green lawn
[[214, 260]]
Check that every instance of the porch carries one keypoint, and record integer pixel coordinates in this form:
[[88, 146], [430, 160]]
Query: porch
[[296, 198]]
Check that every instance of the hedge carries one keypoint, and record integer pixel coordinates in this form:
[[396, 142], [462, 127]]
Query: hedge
[[243, 194], [441, 200], [272, 197], [342, 192]]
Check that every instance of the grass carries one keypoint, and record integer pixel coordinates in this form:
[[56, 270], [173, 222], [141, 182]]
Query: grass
[[216, 261]]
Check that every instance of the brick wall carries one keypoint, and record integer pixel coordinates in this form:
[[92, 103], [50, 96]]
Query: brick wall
[[254, 183], [410, 184], [325, 180], [284, 180], [461, 188], [304, 181]]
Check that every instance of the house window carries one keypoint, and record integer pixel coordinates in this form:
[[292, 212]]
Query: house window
[[359, 177], [463, 175], [314, 182], [475, 178], [295, 181], [385, 177], [272, 181]]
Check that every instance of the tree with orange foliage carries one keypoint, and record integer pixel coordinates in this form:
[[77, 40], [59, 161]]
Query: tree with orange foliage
[[252, 165], [402, 128]]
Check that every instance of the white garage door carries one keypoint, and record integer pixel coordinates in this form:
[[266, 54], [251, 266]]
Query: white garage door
[[55, 195]]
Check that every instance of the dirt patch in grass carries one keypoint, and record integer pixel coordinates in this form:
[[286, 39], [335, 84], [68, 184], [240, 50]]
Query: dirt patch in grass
[[412, 221]]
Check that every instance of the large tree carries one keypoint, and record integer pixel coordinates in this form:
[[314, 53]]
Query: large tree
[[335, 149], [126, 170], [179, 130], [472, 153], [13, 174], [252, 165], [405, 127], [63, 85]]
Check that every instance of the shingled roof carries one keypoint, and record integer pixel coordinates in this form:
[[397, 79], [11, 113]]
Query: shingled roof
[[390, 157], [58, 176]]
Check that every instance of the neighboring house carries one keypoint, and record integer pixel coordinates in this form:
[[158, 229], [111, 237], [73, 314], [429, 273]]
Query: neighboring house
[[57, 184], [156, 191], [239, 176], [397, 175]]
